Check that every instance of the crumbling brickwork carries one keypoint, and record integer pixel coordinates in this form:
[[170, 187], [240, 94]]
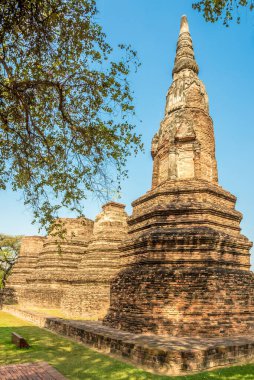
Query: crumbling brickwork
[[73, 273], [30, 249], [89, 294], [57, 264]]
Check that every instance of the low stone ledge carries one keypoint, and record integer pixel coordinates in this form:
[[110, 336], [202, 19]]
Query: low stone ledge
[[169, 356], [38, 319]]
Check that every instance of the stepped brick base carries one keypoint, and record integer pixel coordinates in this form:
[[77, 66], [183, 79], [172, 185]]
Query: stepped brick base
[[180, 302], [186, 270]]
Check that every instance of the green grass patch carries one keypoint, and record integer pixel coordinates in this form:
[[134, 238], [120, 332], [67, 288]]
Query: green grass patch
[[77, 362]]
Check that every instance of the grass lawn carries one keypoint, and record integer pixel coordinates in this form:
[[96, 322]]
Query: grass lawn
[[77, 362]]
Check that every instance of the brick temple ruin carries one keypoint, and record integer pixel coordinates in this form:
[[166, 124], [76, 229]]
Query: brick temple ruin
[[73, 274], [179, 265]]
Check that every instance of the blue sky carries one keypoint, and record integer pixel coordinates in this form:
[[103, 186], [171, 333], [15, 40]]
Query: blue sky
[[226, 61]]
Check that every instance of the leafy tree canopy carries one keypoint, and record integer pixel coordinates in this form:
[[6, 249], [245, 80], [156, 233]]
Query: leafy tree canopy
[[66, 107], [213, 10], [9, 250]]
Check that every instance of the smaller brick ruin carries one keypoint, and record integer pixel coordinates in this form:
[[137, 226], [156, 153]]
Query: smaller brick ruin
[[67, 274], [58, 264]]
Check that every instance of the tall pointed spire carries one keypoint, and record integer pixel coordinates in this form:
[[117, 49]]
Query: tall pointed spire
[[184, 147], [185, 58], [187, 90], [184, 27]]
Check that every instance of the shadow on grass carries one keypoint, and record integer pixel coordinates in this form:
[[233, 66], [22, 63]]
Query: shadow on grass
[[73, 360], [77, 362]]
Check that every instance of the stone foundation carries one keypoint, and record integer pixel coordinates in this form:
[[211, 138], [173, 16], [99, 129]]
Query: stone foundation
[[170, 356]]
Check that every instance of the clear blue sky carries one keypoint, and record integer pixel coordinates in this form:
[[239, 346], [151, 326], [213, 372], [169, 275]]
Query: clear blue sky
[[226, 60]]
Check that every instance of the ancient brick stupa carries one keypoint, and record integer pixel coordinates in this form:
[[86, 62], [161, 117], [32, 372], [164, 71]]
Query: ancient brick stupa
[[30, 249], [57, 264], [187, 266], [72, 274]]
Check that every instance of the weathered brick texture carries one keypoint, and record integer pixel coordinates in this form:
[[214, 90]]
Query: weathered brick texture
[[90, 291], [58, 264], [74, 273], [30, 249]]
